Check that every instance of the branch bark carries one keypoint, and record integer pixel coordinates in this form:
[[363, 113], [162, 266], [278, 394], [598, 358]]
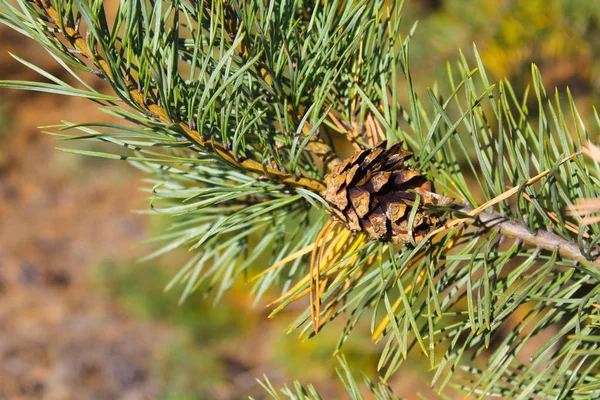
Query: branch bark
[[541, 239]]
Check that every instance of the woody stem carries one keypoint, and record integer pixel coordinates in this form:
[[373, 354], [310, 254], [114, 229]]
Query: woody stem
[[541, 239]]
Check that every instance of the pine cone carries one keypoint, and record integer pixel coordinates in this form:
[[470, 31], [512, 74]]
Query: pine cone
[[374, 191]]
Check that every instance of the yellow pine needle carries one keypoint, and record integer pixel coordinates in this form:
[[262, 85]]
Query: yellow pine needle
[[304, 280], [569, 225], [379, 130], [512, 191], [289, 259], [358, 241], [326, 261], [370, 131], [336, 249], [347, 265], [374, 132], [289, 295], [290, 292], [331, 256], [340, 276], [386, 320], [591, 151], [286, 260], [337, 123], [328, 313], [501, 197], [315, 298], [355, 277], [590, 220], [331, 306], [359, 272], [585, 206]]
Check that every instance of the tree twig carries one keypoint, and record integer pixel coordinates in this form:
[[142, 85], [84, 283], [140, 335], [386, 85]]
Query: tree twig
[[541, 239]]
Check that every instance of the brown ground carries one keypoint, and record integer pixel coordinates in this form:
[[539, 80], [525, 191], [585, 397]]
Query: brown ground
[[58, 340]]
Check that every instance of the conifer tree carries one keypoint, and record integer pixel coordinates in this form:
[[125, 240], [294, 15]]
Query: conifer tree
[[458, 205]]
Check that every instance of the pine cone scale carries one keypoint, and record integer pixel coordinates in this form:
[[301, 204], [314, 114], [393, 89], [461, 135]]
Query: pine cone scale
[[351, 174], [341, 200], [360, 200], [372, 158], [377, 182]]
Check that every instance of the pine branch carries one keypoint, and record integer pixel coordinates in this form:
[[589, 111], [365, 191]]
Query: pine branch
[[547, 241], [540, 240], [236, 150], [81, 48]]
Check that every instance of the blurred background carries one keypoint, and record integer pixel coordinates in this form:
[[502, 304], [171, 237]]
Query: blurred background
[[80, 319]]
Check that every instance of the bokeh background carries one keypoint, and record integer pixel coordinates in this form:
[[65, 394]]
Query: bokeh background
[[80, 319]]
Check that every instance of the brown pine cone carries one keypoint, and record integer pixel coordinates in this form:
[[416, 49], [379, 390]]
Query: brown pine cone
[[374, 191]]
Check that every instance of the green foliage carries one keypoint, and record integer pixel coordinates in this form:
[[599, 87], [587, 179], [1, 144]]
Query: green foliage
[[379, 390], [226, 106]]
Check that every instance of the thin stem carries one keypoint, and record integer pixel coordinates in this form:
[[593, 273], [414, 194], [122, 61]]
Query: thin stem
[[541, 239]]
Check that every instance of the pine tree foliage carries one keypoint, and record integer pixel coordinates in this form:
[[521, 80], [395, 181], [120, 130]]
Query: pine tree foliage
[[378, 391], [234, 110]]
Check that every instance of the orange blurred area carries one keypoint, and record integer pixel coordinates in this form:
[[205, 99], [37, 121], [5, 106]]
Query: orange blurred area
[[80, 319]]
